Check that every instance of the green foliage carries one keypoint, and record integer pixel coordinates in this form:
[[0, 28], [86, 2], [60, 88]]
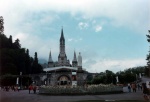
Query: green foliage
[[36, 68], [126, 76], [13, 58], [9, 80], [96, 80], [148, 57], [1, 25]]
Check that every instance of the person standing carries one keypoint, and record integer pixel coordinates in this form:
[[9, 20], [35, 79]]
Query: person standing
[[34, 89], [139, 87], [133, 87], [30, 88], [129, 87], [18, 88]]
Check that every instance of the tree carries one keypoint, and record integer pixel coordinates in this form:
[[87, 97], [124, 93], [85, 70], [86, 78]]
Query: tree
[[27, 62], [16, 44], [10, 42], [1, 25], [36, 68], [148, 56], [14, 59]]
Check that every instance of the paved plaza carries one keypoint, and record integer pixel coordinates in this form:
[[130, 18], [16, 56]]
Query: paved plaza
[[24, 96]]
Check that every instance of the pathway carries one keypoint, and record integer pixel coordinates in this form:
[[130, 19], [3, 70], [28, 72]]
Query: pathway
[[24, 96]]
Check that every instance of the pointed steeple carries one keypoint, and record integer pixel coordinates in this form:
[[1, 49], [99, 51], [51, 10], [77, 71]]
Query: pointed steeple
[[62, 35], [50, 57], [74, 61], [74, 58]]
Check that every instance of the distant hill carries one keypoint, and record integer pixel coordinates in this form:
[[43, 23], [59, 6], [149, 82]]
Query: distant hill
[[42, 61]]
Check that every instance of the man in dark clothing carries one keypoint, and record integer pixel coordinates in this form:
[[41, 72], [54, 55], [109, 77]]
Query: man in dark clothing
[[34, 89]]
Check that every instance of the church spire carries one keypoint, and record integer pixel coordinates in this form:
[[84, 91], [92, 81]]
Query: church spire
[[74, 58], [50, 57], [62, 58], [62, 35], [74, 61]]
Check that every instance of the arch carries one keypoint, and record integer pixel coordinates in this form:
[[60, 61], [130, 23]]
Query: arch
[[63, 80], [63, 75]]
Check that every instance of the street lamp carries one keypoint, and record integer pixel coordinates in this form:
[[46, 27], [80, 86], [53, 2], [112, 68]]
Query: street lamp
[[84, 78], [112, 79], [21, 80], [46, 79]]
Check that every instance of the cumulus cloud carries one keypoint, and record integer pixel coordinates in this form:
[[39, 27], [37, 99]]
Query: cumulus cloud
[[83, 25], [70, 39], [36, 44], [98, 28], [119, 12], [75, 40], [21, 20], [113, 65]]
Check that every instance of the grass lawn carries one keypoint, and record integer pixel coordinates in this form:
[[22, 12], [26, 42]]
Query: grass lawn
[[111, 101]]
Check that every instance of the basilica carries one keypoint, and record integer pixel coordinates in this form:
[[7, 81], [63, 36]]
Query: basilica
[[62, 72]]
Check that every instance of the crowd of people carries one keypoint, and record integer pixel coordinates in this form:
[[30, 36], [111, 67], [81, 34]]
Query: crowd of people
[[18, 88], [32, 87], [132, 87], [10, 88]]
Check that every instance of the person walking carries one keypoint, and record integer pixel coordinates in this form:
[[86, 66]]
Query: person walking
[[145, 92]]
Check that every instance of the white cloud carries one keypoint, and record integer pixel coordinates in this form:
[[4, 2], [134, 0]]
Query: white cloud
[[98, 28], [128, 13], [36, 44], [70, 39], [113, 65], [18, 18], [75, 40], [21, 36], [83, 25], [94, 21]]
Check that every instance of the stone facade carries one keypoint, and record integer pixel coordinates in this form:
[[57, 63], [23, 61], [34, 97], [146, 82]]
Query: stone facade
[[57, 78], [62, 57], [62, 72]]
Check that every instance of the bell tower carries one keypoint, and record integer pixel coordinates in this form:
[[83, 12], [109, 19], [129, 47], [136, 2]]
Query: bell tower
[[74, 62], [62, 58]]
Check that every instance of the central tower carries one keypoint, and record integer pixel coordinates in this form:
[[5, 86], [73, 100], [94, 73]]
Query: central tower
[[62, 58]]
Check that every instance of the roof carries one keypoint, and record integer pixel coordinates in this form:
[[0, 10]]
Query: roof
[[60, 67]]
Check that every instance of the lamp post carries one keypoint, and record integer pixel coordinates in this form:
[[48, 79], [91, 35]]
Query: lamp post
[[84, 77], [46, 79], [112, 79], [21, 80], [17, 81]]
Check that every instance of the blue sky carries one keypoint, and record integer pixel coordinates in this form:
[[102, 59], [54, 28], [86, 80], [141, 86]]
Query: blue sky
[[110, 34]]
